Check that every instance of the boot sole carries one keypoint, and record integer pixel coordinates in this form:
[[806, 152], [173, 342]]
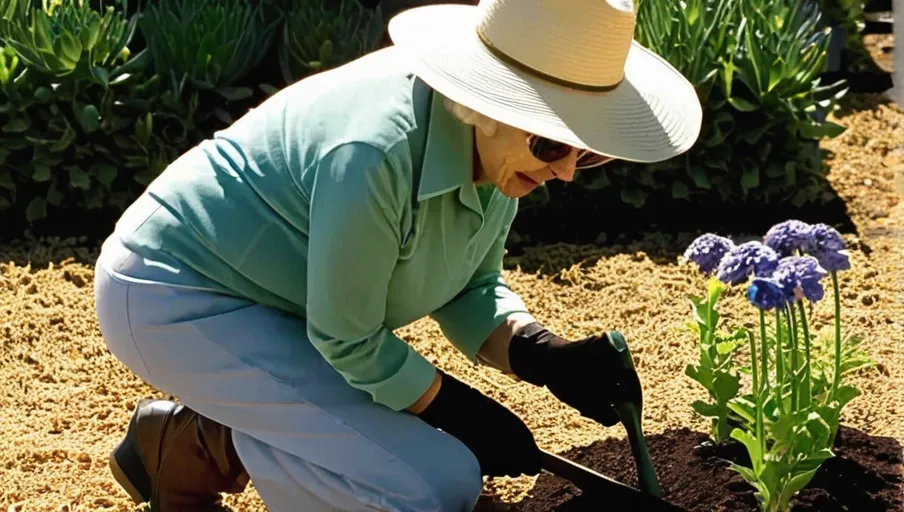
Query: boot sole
[[126, 465]]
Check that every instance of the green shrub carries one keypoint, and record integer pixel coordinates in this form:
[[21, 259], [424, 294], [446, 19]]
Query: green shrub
[[316, 37], [756, 68], [85, 124], [208, 46]]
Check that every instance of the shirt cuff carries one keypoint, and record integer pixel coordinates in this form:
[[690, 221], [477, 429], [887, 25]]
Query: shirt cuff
[[404, 387]]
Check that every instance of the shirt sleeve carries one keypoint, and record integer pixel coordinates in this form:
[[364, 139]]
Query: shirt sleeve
[[354, 240], [484, 303]]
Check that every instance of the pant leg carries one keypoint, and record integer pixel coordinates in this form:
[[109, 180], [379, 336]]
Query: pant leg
[[308, 440]]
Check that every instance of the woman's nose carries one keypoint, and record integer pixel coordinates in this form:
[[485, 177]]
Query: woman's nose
[[564, 168]]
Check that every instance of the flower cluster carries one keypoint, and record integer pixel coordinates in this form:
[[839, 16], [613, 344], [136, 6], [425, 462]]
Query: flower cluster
[[786, 266], [788, 237], [800, 276], [707, 251], [749, 258], [791, 380]]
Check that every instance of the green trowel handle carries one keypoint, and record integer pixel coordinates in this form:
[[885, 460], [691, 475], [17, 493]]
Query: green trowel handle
[[630, 414]]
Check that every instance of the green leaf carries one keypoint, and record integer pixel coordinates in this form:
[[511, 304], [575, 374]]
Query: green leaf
[[844, 394], [105, 173], [145, 176], [268, 89], [741, 104], [89, 34], [89, 118], [71, 48], [234, 93], [222, 115], [6, 180], [814, 130], [54, 196], [79, 178], [68, 137], [101, 75], [41, 173], [776, 73], [726, 386], [706, 410], [680, 190], [326, 51], [17, 125], [753, 448], [743, 408], [633, 196], [36, 209], [699, 175], [750, 177], [43, 94], [144, 129], [727, 347]]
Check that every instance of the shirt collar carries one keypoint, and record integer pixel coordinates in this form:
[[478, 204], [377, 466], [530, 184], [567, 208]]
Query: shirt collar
[[448, 157]]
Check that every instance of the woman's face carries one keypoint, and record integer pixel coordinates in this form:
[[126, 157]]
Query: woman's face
[[505, 160]]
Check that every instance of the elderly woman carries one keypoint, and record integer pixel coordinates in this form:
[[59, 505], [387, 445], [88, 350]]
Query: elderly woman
[[260, 278]]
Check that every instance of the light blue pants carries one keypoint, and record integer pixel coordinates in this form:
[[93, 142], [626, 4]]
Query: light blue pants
[[309, 441]]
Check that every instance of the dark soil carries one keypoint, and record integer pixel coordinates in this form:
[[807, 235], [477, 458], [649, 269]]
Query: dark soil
[[866, 475]]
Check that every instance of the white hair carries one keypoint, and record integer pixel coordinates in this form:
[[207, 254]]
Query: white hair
[[471, 117]]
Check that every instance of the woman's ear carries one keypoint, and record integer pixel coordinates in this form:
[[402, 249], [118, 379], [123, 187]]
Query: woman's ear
[[485, 124]]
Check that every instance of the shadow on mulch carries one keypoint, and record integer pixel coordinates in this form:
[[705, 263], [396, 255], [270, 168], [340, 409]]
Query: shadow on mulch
[[41, 254], [570, 232], [853, 103], [865, 475]]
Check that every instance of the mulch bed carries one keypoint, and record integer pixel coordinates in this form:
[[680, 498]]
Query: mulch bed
[[866, 475]]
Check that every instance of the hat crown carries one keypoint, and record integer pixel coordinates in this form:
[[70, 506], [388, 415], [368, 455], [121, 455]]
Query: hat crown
[[582, 43]]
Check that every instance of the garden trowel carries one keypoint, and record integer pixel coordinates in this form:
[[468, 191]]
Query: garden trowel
[[594, 483]]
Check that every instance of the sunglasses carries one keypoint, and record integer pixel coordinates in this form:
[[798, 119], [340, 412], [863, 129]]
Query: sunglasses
[[549, 151]]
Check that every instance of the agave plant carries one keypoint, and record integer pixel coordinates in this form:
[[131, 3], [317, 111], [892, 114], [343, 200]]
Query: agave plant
[[695, 43], [67, 38], [756, 67], [316, 37], [207, 43]]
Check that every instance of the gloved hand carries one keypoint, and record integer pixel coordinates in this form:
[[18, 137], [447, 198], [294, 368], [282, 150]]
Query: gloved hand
[[502, 443], [587, 374]]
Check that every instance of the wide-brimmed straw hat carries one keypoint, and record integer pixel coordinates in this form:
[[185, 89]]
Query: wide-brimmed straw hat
[[568, 70]]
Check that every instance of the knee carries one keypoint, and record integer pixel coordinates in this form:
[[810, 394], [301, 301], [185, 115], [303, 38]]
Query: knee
[[457, 482]]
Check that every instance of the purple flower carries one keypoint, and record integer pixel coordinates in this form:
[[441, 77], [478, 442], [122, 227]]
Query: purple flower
[[827, 248], [707, 251], [766, 293], [743, 260], [826, 238], [788, 236], [833, 261], [800, 276]]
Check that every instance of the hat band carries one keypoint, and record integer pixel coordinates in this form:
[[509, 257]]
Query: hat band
[[508, 59]]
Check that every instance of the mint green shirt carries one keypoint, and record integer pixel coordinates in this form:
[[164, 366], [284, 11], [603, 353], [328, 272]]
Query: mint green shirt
[[346, 199]]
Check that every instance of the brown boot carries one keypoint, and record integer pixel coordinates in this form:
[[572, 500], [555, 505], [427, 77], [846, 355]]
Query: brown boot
[[177, 459]]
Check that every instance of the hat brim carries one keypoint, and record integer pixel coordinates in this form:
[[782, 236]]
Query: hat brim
[[654, 114]]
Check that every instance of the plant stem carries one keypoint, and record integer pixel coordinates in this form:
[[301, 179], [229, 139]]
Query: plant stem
[[779, 363], [764, 356], [757, 395], [805, 393], [795, 364], [837, 377]]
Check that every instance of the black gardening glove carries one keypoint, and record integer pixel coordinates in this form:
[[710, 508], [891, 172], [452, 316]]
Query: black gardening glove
[[587, 374], [502, 443]]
